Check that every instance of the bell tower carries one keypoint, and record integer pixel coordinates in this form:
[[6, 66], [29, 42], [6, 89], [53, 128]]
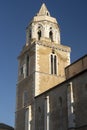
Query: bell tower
[[41, 65], [43, 27]]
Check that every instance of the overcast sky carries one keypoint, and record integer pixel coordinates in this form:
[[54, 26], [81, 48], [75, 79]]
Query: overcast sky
[[14, 18]]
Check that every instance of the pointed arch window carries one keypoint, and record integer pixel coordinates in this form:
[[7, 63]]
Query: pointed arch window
[[39, 34], [53, 64], [51, 35]]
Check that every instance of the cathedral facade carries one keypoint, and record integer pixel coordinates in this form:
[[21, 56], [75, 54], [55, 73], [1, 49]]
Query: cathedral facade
[[46, 99]]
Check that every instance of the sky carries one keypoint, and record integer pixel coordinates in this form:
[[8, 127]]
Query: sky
[[14, 18]]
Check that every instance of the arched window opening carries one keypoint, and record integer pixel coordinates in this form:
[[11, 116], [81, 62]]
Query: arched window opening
[[47, 13], [39, 34], [27, 65], [51, 35], [55, 71], [30, 34], [53, 64]]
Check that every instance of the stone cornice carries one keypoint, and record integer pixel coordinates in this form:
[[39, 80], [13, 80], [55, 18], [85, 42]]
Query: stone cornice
[[46, 44], [54, 46]]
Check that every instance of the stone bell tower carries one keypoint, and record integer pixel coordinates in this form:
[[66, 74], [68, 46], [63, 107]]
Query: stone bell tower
[[41, 65]]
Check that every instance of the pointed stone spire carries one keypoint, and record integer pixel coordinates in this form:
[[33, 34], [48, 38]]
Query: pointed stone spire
[[43, 11]]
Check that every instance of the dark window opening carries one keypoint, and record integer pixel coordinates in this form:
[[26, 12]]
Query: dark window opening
[[55, 69], [51, 35], [21, 70], [51, 64], [47, 13], [27, 66], [30, 34], [39, 35]]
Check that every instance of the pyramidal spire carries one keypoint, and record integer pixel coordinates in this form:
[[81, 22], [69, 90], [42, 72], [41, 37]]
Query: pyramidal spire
[[43, 10]]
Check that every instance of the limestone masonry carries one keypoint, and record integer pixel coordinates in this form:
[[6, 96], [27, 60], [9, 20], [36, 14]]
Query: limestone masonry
[[51, 93]]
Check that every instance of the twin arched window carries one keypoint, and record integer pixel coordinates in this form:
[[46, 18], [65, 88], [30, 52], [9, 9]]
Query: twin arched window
[[39, 33], [53, 63]]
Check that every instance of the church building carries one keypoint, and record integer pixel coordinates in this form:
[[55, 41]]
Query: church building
[[51, 93]]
